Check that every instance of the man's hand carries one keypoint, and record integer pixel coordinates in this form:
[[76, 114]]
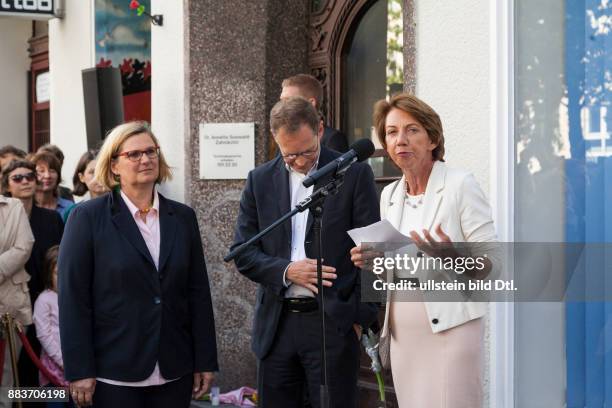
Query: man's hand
[[304, 273], [82, 391], [362, 256], [201, 383]]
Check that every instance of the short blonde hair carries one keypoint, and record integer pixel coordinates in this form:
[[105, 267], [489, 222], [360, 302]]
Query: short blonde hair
[[112, 144]]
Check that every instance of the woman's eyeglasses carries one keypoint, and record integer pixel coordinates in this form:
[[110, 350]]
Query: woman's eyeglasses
[[18, 178], [136, 155]]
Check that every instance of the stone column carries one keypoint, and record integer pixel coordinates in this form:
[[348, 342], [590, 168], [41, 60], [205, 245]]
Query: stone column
[[238, 53]]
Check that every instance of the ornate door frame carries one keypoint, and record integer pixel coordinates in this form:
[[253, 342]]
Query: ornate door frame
[[329, 29]]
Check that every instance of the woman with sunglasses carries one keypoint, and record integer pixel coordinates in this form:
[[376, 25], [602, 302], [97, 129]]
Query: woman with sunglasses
[[19, 181]]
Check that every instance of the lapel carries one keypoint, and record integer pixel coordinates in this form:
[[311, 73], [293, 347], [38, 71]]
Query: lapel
[[395, 208], [167, 230], [281, 186], [124, 222], [325, 157], [433, 194]]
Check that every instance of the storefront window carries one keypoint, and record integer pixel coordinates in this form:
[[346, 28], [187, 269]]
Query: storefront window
[[562, 173]]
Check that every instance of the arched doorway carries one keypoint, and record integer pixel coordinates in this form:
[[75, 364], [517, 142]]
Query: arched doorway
[[362, 51]]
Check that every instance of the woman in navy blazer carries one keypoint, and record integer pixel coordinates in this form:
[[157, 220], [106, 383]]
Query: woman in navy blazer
[[136, 318]]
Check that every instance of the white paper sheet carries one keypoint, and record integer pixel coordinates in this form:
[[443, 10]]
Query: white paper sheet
[[381, 231]]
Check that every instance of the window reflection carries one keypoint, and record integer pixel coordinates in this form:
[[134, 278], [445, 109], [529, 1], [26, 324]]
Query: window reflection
[[373, 70], [561, 179]]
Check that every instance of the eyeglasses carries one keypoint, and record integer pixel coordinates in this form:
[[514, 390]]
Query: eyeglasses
[[308, 154], [18, 178], [136, 155]]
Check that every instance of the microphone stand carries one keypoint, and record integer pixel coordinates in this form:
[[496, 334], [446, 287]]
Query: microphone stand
[[315, 204]]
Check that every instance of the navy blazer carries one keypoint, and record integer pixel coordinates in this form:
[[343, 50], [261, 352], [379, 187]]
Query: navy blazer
[[119, 315], [334, 139], [266, 198]]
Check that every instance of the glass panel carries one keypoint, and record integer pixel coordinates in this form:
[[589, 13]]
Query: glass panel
[[373, 70], [562, 178], [42, 87]]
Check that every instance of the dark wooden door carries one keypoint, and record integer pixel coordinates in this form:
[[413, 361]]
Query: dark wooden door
[[40, 121], [332, 26]]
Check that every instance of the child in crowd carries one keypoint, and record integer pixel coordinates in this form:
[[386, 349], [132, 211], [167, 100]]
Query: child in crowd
[[46, 319]]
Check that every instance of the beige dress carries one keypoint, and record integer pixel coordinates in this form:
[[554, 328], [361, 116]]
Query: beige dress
[[433, 370], [16, 242]]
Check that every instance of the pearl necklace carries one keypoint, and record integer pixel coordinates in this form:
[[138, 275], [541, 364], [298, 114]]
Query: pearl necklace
[[418, 197], [414, 204]]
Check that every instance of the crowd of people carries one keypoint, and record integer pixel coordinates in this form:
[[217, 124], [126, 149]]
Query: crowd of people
[[30, 188], [120, 275]]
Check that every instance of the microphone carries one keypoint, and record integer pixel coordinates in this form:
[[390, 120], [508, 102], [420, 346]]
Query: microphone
[[359, 151]]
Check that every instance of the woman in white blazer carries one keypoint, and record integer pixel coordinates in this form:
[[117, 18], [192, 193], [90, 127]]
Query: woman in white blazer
[[436, 347]]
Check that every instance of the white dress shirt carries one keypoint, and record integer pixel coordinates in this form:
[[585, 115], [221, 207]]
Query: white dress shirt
[[299, 221]]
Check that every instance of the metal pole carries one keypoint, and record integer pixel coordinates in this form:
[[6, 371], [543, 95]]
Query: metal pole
[[8, 324]]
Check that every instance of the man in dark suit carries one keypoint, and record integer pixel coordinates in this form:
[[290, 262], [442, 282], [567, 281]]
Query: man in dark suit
[[309, 88], [286, 330]]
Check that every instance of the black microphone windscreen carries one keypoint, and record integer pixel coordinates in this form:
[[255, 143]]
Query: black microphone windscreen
[[364, 148]]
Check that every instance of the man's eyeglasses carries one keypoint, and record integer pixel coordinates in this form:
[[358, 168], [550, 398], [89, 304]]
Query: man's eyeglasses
[[136, 155], [308, 154], [18, 178]]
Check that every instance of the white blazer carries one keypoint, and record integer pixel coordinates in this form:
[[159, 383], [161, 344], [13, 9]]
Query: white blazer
[[454, 199]]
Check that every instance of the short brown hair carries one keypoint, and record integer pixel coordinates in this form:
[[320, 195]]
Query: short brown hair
[[52, 161], [54, 150], [422, 112], [10, 149], [112, 145], [49, 265], [309, 87], [292, 113], [13, 165]]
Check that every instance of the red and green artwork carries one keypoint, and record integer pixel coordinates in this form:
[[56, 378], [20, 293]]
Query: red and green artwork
[[123, 40]]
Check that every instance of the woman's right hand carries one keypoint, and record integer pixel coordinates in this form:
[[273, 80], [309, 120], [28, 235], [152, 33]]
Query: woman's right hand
[[362, 255], [82, 391]]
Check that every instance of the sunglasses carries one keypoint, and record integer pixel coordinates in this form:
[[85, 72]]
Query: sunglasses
[[18, 178]]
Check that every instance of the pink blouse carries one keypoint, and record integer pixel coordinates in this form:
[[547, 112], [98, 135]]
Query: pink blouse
[[46, 319]]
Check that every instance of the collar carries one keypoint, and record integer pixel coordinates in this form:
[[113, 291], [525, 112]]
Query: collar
[[3, 199], [434, 184], [63, 203], [135, 210]]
